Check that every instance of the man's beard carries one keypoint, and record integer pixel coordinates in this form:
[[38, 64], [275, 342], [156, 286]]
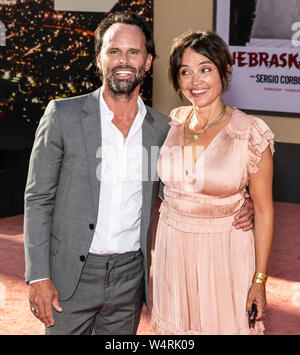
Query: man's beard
[[124, 87]]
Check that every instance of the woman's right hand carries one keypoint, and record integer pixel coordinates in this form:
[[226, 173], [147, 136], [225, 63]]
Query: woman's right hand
[[257, 295]]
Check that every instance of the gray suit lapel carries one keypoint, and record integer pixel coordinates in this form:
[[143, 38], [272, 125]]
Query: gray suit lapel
[[150, 144], [92, 132]]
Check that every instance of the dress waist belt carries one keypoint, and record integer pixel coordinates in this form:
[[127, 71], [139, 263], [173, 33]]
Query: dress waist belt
[[198, 213]]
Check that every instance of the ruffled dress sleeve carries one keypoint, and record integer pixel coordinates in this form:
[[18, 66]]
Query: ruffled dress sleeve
[[174, 112], [260, 138], [179, 115]]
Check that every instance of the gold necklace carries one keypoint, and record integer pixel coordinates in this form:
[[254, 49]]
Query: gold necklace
[[188, 140]]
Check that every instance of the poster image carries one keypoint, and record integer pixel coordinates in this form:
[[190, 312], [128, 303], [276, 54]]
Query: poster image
[[264, 40], [86, 5]]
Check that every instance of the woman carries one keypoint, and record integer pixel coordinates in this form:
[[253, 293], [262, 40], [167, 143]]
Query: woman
[[207, 274]]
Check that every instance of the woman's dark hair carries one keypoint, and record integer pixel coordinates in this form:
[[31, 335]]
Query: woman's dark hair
[[206, 43], [128, 18]]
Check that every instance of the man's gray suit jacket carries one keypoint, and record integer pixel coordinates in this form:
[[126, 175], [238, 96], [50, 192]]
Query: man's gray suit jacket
[[62, 192]]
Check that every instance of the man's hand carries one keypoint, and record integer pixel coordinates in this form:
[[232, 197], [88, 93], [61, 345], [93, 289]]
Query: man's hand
[[43, 296], [244, 219]]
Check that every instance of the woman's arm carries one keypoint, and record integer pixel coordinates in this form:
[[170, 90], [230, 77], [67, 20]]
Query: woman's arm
[[260, 189]]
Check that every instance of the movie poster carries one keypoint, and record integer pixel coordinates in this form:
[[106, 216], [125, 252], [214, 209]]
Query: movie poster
[[84, 6], [47, 54], [264, 40]]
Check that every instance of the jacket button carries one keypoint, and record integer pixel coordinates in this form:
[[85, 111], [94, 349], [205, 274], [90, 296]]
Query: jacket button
[[92, 226], [82, 258]]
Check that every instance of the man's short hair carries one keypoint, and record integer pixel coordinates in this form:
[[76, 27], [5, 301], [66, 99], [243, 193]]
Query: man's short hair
[[128, 18]]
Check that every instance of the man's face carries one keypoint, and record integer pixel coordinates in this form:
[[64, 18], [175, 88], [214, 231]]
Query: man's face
[[123, 59]]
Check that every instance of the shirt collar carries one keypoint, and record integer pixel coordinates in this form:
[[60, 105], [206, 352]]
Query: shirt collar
[[108, 115]]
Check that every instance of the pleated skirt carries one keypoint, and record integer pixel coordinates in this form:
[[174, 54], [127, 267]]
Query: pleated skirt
[[202, 276]]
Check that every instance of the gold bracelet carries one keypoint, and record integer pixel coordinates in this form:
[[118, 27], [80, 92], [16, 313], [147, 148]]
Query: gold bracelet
[[260, 278]]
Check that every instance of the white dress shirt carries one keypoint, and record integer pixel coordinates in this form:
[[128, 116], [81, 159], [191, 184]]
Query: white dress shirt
[[120, 203]]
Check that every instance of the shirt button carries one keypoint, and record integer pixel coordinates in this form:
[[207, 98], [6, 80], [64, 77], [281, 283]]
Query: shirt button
[[92, 226], [82, 258]]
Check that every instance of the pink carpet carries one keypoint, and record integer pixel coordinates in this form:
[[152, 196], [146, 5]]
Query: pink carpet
[[283, 288]]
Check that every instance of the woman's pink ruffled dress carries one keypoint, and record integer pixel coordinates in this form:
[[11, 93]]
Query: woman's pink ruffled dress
[[203, 266]]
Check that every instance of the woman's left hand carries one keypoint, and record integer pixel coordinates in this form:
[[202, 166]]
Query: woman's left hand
[[257, 295]]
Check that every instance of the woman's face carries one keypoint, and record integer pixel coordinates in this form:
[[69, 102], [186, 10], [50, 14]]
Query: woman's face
[[199, 79]]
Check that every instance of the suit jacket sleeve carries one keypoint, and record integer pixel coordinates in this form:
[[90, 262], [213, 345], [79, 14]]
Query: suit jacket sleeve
[[161, 190], [164, 132], [43, 175]]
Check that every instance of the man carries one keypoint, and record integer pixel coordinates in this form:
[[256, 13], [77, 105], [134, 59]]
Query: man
[[88, 231]]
